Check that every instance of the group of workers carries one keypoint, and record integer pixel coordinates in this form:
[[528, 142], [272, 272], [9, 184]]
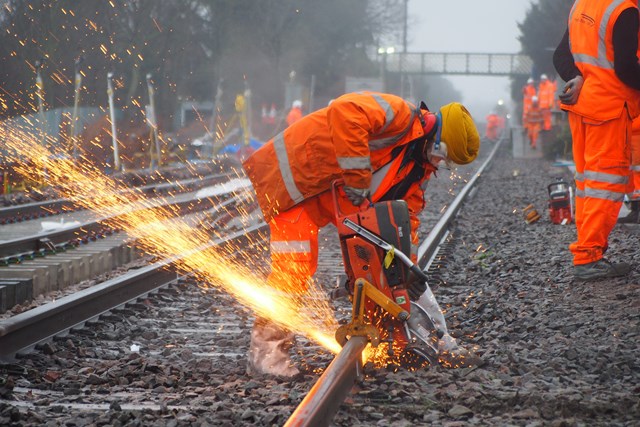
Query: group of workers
[[386, 148], [537, 104]]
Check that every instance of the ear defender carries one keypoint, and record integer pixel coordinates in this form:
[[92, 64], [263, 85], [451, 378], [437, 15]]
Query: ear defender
[[436, 145]]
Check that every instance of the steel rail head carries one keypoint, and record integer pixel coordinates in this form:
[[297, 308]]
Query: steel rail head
[[324, 399]]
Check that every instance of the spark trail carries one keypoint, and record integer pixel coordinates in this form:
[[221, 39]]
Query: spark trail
[[158, 232]]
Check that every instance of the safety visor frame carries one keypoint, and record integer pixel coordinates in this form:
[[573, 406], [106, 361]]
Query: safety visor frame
[[439, 148]]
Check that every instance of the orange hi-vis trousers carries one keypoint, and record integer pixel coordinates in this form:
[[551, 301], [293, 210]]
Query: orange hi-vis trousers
[[602, 155], [294, 250]]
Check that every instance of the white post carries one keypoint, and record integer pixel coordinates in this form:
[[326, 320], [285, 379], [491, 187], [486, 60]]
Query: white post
[[76, 100], [151, 117], [112, 113]]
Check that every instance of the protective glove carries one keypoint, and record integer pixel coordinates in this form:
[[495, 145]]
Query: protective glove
[[356, 195], [571, 90]]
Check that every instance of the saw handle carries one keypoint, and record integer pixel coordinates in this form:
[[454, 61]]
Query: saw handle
[[336, 189]]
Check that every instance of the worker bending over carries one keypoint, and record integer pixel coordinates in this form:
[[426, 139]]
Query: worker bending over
[[382, 147]]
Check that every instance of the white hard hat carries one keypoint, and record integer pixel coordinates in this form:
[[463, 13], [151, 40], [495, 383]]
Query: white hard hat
[[297, 104], [543, 77], [529, 80]]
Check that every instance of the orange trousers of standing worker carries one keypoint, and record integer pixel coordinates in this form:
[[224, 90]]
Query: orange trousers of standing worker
[[602, 155]]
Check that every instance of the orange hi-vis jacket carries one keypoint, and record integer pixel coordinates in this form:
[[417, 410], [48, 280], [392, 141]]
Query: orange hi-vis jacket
[[591, 37], [294, 115], [546, 94], [528, 92], [358, 134]]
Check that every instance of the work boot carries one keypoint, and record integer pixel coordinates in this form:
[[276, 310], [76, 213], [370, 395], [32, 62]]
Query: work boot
[[600, 269], [633, 216], [269, 350]]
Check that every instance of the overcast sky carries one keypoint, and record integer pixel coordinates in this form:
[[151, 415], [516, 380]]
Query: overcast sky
[[484, 26]]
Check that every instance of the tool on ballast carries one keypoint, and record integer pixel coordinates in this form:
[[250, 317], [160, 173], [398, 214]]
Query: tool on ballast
[[560, 202], [530, 214], [375, 239]]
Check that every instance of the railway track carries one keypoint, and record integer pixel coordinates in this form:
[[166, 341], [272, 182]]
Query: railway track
[[81, 316], [216, 332], [176, 355]]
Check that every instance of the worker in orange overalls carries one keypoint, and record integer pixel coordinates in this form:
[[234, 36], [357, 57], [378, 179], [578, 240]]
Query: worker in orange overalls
[[533, 122], [546, 98], [634, 193], [597, 57], [295, 113], [528, 92], [383, 147]]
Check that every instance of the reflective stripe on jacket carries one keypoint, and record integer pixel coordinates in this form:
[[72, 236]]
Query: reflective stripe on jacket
[[603, 95], [349, 139]]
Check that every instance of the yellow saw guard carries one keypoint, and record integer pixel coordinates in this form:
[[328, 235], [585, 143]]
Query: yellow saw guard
[[358, 325]]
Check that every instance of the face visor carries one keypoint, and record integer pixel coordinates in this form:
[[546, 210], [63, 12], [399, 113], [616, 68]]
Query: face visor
[[438, 156], [437, 153]]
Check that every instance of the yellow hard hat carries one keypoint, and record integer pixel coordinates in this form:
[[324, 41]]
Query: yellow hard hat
[[460, 134]]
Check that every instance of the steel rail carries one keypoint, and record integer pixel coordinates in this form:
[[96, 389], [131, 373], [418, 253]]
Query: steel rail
[[316, 408], [25, 330], [27, 211], [324, 399]]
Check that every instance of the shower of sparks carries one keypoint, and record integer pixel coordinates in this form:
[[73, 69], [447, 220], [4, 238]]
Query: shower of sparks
[[160, 233]]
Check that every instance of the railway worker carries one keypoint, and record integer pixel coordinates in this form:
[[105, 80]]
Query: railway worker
[[528, 92], [546, 99], [493, 126], [633, 217], [597, 57], [533, 122], [350, 139], [295, 113]]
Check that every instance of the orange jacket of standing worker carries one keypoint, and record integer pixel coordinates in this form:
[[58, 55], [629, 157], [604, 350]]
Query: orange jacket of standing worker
[[603, 96]]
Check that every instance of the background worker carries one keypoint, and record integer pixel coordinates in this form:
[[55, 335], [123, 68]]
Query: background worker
[[382, 147], [597, 57], [295, 113], [528, 92], [533, 122], [633, 217], [493, 126], [546, 99]]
